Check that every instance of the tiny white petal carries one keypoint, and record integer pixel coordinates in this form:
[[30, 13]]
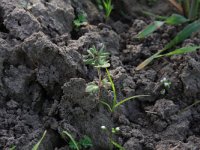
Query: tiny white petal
[[117, 128], [103, 127], [166, 84]]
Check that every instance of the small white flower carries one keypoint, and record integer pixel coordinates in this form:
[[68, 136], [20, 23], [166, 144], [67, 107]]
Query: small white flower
[[117, 128], [103, 127]]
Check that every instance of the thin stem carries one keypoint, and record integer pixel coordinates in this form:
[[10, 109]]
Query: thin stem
[[110, 141], [99, 83], [113, 88]]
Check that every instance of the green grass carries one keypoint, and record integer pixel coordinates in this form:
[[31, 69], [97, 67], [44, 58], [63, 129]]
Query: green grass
[[189, 15]]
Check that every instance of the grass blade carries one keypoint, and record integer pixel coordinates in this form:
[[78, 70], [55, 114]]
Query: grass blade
[[39, 142], [154, 15], [117, 145], [182, 35], [147, 61], [182, 50], [194, 9], [185, 33], [107, 105], [72, 139], [176, 19], [150, 29], [129, 98]]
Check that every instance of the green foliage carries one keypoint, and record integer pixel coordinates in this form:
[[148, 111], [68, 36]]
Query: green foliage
[[150, 29], [108, 7], [174, 19], [182, 50], [81, 20], [181, 36], [83, 143], [188, 8], [191, 10], [39, 142], [72, 140], [99, 60], [117, 145]]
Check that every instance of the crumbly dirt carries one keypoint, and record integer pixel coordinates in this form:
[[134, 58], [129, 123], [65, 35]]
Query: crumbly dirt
[[43, 78]]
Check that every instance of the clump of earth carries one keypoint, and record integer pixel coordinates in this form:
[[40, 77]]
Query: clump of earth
[[43, 78]]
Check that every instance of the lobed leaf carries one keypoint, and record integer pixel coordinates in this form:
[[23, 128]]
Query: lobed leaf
[[92, 87]]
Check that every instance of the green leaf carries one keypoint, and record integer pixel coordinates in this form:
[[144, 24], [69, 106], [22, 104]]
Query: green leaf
[[146, 62], [106, 84], [92, 88], [129, 98], [117, 145], [150, 29], [39, 142], [182, 50], [154, 15], [182, 35], [185, 33], [86, 142], [72, 140], [176, 19]]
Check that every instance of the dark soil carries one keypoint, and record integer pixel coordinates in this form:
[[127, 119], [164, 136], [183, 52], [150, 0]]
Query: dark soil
[[43, 78]]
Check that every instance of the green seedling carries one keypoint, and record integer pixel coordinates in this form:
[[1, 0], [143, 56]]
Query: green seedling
[[99, 60], [110, 135], [108, 7], [189, 11], [83, 143], [81, 20], [166, 84]]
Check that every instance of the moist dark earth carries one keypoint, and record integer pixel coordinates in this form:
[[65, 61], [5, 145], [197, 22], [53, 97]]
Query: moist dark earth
[[43, 78]]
